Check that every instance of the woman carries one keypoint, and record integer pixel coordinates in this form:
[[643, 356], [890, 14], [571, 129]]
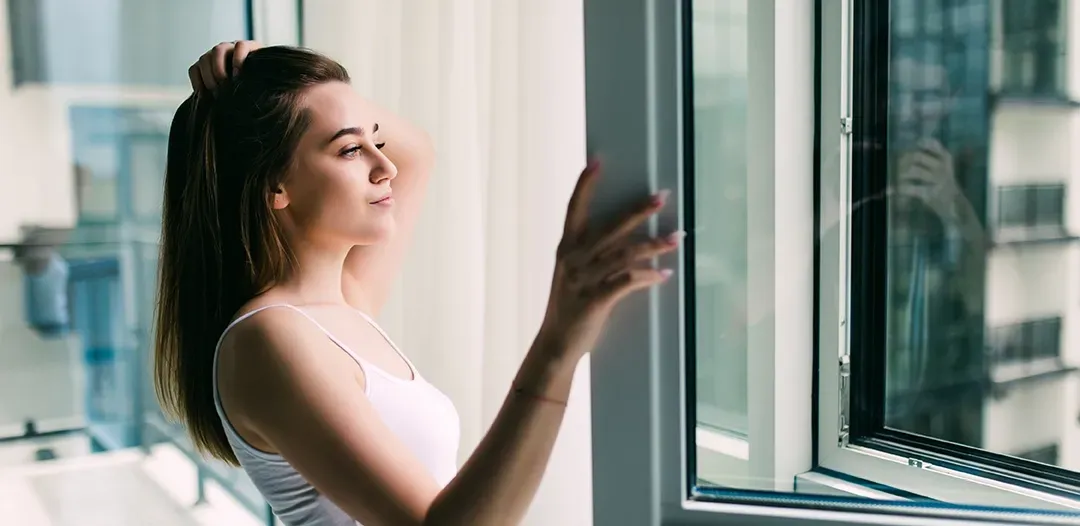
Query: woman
[[289, 202]]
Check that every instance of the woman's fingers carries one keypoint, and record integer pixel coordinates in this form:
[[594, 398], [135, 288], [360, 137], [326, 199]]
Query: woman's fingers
[[617, 260], [206, 71], [625, 226], [622, 284], [919, 160], [219, 61], [577, 212], [216, 66], [240, 53], [196, 78], [935, 148]]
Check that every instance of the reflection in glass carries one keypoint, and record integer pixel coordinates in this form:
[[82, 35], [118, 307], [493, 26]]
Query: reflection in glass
[[980, 251]]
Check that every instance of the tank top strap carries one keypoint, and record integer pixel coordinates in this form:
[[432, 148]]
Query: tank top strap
[[371, 321], [364, 364]]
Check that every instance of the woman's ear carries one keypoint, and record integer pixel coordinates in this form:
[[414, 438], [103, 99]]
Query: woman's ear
[[278, 198]]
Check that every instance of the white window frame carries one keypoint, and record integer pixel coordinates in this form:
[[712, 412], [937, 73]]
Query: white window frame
[[899, 472], [634, 121]]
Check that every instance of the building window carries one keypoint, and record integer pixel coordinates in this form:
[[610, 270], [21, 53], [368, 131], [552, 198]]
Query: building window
[[1026, 341], [1031, 206], [1034, 44]]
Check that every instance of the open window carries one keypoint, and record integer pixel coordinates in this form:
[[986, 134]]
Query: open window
[[848, 338]]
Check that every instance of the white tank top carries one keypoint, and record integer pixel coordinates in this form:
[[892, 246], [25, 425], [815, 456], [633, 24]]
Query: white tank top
[[421, 416]]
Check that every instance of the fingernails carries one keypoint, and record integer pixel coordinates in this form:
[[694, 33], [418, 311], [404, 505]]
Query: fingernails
[[666, 273], [660, 197], [674, 237], [235, 72], [592, 168]]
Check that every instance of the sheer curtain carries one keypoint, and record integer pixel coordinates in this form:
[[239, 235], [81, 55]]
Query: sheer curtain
[[500, 86]]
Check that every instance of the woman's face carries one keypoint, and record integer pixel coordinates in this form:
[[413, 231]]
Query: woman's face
[[338, 187]]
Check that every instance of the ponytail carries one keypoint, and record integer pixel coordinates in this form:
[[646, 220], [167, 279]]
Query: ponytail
[[190, 307]]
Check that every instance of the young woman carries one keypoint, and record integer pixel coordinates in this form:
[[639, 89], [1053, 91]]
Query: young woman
[[289, 202]]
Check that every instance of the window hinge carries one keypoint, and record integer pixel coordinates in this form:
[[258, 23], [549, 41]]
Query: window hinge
[[845, 401], [846, 125]]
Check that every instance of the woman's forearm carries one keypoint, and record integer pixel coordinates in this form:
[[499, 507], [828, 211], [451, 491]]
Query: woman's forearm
[[370, 269], [408, 146], [500, 479]]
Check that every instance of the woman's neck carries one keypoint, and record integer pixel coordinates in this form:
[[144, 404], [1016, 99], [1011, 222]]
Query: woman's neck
[[316, 275]]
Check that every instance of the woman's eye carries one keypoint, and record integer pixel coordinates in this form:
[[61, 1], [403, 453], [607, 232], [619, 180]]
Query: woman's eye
[[357, 149]]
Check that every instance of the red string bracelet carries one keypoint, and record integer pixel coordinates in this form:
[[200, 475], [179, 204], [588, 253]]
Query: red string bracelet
[[521, 392]]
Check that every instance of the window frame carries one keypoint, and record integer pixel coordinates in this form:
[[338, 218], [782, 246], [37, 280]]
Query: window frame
[[854, 440], [636, 52]]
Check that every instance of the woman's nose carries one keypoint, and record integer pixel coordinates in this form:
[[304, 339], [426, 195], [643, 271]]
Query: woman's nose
[[384, 169]]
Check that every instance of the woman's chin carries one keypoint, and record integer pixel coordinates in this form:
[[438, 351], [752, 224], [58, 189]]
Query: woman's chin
[[377, 234]]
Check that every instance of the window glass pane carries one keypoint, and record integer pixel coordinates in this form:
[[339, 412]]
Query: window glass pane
[[1013, 205], [978, 315], [720, 225], [106, 42], [86, 109], [1048, 205]]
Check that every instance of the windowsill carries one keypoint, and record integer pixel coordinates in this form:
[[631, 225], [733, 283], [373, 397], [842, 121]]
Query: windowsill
[[723, 459], [821, 483]]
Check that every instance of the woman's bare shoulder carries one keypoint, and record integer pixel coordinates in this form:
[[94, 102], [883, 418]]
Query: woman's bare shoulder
[[271, 353], [267, 331]]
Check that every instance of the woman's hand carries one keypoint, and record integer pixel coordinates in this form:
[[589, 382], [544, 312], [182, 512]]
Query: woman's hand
[[218, 65], [926, 174], [595, 269]]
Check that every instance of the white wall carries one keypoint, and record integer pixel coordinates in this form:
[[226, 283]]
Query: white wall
[[1027, 417], [1031, 144], [34, 153], [1028, 281]]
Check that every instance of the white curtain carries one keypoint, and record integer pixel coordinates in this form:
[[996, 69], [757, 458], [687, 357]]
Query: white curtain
[[500, 86]]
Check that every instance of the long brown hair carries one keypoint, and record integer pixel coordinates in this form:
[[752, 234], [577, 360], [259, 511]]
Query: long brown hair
[[220, 242]]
